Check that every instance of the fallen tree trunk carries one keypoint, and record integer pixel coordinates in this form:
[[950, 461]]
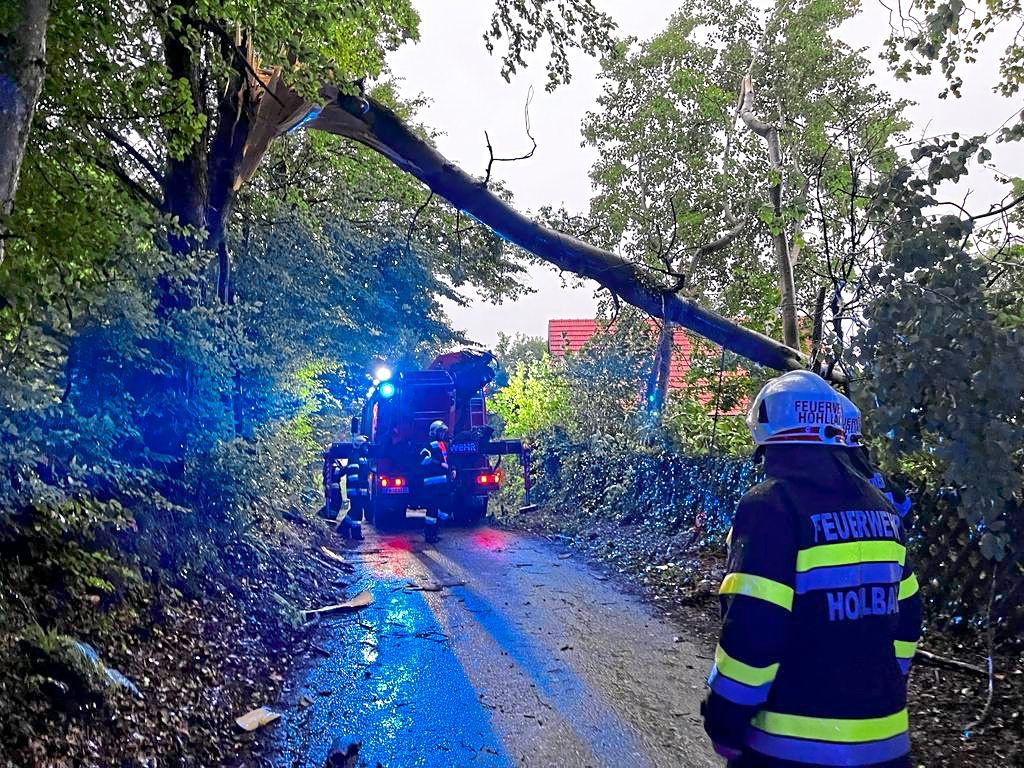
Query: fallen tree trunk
[[378, 128]]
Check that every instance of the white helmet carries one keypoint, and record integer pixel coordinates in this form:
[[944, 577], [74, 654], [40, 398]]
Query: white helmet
[[438, 429], [851, 421], [361, 441], [797, 407]]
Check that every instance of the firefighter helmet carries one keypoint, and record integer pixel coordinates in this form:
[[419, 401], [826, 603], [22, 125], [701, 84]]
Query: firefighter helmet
[[361, 443], [851, 421], [438, 430], [797, 407]]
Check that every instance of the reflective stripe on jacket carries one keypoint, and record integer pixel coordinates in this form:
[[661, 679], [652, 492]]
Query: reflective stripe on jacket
[[357, 477], [821, 615]]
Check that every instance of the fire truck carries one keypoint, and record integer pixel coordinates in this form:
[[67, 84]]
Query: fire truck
[[397, 417]]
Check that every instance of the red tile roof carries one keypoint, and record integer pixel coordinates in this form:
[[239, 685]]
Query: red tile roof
[[571, 335]]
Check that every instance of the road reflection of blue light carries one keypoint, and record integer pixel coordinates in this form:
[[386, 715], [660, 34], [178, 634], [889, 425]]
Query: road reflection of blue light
[[569, 695], [392, 683]]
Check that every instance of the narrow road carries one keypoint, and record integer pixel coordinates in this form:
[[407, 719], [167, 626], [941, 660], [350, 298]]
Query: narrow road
[[494, 649]]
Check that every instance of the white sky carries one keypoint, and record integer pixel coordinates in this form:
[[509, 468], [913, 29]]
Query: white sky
[[468, 96]]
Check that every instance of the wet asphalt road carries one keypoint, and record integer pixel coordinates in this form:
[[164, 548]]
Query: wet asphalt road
[[522, 657]]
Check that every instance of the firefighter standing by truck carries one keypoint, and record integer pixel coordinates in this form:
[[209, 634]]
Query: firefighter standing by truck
[[351, 462], [334, 457], [436, 476], [357, 488], [821, 612]]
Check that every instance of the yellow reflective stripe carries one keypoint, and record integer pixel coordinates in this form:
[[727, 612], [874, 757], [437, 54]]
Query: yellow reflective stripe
[[743, 673], [908, 587], [905, 649], [757, 586], [850, 553], [826, 729], [728, 537]]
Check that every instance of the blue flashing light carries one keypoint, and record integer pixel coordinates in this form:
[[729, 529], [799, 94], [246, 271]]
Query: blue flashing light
[[387, 390]]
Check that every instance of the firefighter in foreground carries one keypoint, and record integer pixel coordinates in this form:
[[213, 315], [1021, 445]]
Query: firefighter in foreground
[[821, 612], [436, 478]]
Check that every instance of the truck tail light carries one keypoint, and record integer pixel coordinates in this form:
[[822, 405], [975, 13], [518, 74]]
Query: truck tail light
[[392, 482], [489, 479]]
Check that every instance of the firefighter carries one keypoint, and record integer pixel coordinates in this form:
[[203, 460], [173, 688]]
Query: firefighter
[[861, 460], [436, 477], [821, 613], [357, 488], [334, 455]]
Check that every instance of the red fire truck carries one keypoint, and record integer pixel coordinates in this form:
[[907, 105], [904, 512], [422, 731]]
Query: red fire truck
[[397, 417]]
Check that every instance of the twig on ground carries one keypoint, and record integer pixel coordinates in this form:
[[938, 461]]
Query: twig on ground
[[990, 632]]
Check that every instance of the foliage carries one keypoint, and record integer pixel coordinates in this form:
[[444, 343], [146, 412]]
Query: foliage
[[953, 32], [535, 398], [609, 477], [513, 351], [942, 347], [522, 24], [682, 191]]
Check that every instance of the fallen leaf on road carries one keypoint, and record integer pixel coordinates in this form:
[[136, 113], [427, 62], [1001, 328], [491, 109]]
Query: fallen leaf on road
[[361, 600], [256, 718], [304, 702]]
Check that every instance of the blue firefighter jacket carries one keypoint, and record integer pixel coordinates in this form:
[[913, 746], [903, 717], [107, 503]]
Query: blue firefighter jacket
[[434, 470], [821, 616], [357, 478]]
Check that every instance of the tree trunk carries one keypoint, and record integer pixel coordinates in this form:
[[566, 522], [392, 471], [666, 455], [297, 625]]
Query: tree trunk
[[657, 384], [22, 68], [783, 259], [377, 127]]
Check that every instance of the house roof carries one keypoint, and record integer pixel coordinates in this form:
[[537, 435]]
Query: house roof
[[570, 335]]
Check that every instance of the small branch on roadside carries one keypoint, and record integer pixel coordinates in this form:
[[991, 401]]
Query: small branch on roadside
[[928, 658], [527, 156]]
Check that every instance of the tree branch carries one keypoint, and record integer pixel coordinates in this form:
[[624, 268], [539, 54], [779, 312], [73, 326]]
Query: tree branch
[[784, 262], [412, 224], [140, 158], [527, 156], [380, 129]]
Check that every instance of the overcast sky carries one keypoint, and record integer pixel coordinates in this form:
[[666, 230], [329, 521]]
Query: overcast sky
[[468, 96]]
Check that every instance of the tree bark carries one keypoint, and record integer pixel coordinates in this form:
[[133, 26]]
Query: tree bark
[[657, 382], [377, 127], [661, 370], [22, 69], [783, 259]]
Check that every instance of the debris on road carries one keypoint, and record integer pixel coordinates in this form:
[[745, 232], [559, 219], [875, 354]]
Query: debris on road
[[343, 757], [256, 718], [332, 555], [362, 600]]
